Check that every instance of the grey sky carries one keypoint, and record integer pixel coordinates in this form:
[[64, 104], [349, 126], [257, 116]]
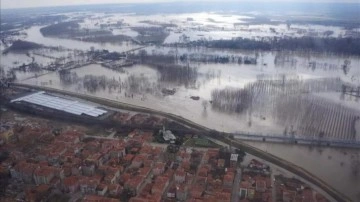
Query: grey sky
[[40, 3]]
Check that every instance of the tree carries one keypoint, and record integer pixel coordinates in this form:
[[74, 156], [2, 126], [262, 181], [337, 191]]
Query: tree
[[205, 104], [346, 66], [143, 54]]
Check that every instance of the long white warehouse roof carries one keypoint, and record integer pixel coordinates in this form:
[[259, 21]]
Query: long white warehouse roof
[[70, 106]]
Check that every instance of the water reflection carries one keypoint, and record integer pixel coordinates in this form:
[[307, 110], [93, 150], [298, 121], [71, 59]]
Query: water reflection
[[338, 167], [34, 35]]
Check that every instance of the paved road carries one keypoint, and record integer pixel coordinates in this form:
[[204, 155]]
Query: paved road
[[273, 189], [235, 190], [237, 144]]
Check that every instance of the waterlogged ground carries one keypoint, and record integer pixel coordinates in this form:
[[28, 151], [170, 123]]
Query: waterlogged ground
[[142, 84], [147, 91], [302, 67], [208, 26], [336, 167], [33, 34]]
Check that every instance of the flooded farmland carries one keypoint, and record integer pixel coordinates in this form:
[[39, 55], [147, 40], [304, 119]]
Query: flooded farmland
[[282, 93], [271, 85], [337, 167]]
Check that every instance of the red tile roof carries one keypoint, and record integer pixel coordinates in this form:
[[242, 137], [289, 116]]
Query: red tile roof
[[94, 198]]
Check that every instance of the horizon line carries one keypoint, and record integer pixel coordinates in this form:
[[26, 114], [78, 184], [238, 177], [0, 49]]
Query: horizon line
[[185, 2]]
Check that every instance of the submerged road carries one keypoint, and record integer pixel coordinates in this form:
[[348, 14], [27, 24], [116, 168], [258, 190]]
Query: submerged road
[[209, 132]]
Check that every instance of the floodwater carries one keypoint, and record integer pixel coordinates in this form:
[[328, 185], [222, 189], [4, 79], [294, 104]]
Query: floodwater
[[34, 35], [147, 92], [142, 85], [334, 166], [208, 26]]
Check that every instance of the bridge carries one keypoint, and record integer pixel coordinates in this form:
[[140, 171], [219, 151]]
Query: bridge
[[298, 140]]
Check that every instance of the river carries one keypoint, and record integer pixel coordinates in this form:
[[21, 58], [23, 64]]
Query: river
[[332, 165]]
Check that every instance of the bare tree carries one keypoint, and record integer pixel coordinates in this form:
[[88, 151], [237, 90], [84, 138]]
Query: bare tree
[[204, 104]]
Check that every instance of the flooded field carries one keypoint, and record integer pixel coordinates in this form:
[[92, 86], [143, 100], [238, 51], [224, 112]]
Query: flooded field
[[207, 26], [286, 93], [337, 167], [272, 87], [33, 34]]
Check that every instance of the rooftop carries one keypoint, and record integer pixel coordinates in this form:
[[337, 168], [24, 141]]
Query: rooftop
[[70, 106]]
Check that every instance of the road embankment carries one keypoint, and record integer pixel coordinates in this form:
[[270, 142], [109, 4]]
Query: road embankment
[[206, 131]]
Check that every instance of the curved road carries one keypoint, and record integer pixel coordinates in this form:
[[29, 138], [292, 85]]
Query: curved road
[[221, 138]]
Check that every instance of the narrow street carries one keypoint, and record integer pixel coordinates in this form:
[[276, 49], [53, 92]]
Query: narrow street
[[273, 190], [236, 186]]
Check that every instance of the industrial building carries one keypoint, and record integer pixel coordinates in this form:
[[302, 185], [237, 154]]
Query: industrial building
[[65, 105]]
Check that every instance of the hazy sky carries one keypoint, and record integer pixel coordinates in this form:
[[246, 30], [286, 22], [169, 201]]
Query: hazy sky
[[40, 3]]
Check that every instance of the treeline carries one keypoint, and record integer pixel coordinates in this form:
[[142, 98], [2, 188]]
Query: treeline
[[217, 59], [106, 38], [183, 75], [156, 35], [317, 44], [263, 95], [231, 100], [19, 46], [60, 28], [72, 29]]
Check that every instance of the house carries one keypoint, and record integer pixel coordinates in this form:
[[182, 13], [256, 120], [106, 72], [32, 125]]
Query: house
[[124, 178], [205, 159], [234, 160], [257, 165], [250, 194], [196, 191], [228, 179], [214, 183], [118, 151], [88, 169], [88, 185], [111, 178], [6, 133], [96, 159], [112, 174], [221, 163], [23, 171], [223, 197], [288, 196], [180, 175], [160, 185], [71, 184], [145, 171], [202, 181], [128, 159], [134, 184], [138, 161], [171, 193], [139, 199], [203, 172], [159, 168], [260, 186], [183, 156], [114, 190], [181, 192], [53, 153], [94, 198], [37, 194], [43, 175], [189, 179], [101, 189], [243, 193], [76, 168]]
